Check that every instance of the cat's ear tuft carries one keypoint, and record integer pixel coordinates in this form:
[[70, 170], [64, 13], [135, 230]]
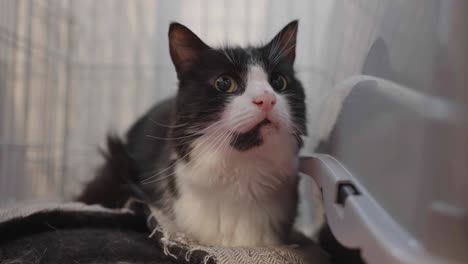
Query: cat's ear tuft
[[283, 45], [184, 46]]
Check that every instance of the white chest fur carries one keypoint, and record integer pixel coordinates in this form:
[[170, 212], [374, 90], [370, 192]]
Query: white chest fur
[[214, 219], [242, 200]]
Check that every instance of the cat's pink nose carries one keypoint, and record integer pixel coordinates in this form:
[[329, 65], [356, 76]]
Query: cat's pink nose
[[265, 101]]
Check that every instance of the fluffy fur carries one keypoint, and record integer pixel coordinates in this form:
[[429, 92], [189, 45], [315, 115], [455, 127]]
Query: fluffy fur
[[222, 165]]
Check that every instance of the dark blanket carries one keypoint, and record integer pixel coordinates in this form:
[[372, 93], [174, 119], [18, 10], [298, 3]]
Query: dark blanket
[[76, 233]]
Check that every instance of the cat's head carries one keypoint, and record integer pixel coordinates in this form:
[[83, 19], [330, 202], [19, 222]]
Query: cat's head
[[236, 99]]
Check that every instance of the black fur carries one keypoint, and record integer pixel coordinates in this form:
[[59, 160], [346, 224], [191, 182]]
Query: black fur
[[117, 175], [128, 164], [250, 139]]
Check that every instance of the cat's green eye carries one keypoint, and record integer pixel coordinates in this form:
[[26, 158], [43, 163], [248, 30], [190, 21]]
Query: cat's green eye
[[226, 84], [278, 82]]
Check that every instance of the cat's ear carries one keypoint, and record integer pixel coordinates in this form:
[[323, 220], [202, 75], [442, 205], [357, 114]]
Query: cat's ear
[[185, 47], [283, 45]]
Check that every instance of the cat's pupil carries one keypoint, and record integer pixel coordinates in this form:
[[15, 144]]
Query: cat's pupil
[[224, 83], [277, 82]]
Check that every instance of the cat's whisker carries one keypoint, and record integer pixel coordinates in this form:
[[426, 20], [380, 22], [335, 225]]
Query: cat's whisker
[[212, 149], [202, 127], [191, 134], [217, 145], [290, 95], [228, 136], [168, 126], [297, 132], [173, 165], [179, 161], [235, 121], [282, 53], [283, 116], [295, 101], [222, 146], [233, 56], [232, 137], [286, 118], [225, 53], [224, 156], [212, 129], [240, 121], [193, 160], [297, 106], [174, 138]]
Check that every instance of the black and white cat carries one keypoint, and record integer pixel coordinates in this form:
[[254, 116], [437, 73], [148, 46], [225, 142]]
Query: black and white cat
[[220, 159]]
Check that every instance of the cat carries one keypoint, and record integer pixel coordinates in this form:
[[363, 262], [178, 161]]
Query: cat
[[220, 159]]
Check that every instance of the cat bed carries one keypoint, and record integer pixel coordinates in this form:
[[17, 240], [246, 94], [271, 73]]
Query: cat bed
[[78, 233]]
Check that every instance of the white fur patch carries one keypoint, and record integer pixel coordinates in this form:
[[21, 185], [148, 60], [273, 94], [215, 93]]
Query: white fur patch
[[233, 198]]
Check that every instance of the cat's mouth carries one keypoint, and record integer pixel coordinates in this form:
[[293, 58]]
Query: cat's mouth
[[264, 122], [256, 128], [243, 141], [268, 123]]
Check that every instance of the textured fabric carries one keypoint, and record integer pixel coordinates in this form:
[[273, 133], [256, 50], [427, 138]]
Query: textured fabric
[[75, 233], [24, 210], [304, 252]]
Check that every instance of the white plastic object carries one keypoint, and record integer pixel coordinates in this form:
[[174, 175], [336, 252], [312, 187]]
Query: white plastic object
[[392, 144]]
